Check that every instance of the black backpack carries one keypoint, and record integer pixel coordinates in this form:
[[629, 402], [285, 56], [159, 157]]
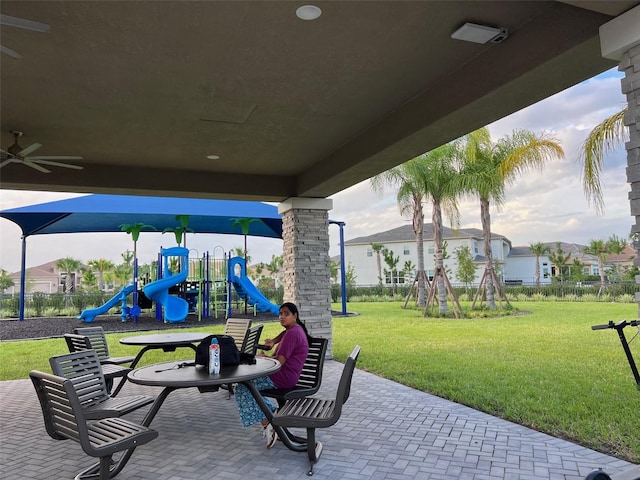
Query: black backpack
[[229, 353]]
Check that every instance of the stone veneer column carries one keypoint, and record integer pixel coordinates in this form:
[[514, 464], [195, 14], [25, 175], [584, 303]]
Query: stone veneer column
[[307, 274], [620, 40]]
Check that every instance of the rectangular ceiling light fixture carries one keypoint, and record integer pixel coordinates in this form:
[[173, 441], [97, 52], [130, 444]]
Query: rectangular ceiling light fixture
[[472, 32]]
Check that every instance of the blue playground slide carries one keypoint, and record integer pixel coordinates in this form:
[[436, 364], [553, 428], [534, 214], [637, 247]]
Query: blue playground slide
[[89, 314], [175, 308], [247, 290]]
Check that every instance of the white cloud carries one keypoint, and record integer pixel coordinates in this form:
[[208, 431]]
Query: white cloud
[[541, 206]]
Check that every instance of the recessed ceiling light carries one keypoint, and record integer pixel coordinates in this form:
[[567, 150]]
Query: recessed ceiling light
[[308, 12], [213, 157], [475, 33]]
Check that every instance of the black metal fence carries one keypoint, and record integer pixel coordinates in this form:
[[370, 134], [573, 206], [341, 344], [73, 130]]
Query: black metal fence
[[56, 304]]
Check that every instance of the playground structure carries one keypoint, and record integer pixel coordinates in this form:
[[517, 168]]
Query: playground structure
[[187, 283]]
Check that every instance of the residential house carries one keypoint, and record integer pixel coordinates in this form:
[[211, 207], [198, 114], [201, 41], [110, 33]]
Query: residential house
[[515, 265], [402, 242], [45, 278]]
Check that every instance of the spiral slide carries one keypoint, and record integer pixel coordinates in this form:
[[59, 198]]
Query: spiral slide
[[247, 290], [89, 314], [175, 309]]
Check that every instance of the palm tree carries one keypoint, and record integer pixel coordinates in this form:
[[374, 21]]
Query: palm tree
[[603, 139], [89, 279], [407, 178], [439, 185], [123, 273], [101, 265], [489, 167], [378, 248], [560, 260], [539, 249], [68, 265], [601, 249]]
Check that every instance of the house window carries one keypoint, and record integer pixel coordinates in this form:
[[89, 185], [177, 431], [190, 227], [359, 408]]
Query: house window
[[405, 249], [545, 272], [585, 270], [595, 269], [369, 252], [475, 247], [430, 249]]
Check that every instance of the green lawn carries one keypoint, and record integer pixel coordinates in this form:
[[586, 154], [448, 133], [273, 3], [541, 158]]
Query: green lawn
[[547, 370]]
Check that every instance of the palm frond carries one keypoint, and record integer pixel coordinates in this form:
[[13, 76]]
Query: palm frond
[[602, 140]]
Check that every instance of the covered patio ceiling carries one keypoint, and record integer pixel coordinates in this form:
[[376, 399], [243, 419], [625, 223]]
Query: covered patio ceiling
[[145, 91]]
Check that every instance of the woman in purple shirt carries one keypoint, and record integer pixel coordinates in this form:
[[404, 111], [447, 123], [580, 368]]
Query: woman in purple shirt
[[291, 352]]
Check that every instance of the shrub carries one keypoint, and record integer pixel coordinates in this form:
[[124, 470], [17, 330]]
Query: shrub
[[38, 303]]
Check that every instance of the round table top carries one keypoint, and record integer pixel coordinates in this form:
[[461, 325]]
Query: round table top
[[165, 339], [175, 374]]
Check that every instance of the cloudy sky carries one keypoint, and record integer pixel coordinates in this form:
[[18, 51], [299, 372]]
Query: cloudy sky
[[545, 206]]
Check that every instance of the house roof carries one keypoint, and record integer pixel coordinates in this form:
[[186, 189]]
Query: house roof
[[405, 233]]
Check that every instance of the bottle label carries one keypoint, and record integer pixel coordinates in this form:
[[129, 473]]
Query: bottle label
[[214, 359]]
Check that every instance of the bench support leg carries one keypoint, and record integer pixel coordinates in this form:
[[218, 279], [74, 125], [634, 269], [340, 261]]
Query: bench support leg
[[314, 449]]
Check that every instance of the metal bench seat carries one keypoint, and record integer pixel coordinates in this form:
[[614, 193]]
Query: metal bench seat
[[64, 419], [311, 413], [84, 370]]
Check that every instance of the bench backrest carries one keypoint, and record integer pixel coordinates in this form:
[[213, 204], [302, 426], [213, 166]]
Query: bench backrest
[[251, 339], [77, 343], [311, 375], [96, 338], [61, 409], [344, 387], [237, 328], [85, 372]]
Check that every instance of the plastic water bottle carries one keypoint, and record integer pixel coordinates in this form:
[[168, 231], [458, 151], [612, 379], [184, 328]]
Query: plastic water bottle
[[214, 357]]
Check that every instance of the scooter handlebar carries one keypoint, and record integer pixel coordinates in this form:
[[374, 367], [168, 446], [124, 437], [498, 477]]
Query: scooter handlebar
[[602, 327], [611, 324]]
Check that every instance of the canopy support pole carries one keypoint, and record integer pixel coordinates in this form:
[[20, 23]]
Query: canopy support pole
[[23, 276], [343, 276]]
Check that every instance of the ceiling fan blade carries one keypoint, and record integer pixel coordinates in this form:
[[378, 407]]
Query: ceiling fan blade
[[31, 148], [24, 23], [11, 53], [54, 164], [7, 161], [36, 166], [53, 157]]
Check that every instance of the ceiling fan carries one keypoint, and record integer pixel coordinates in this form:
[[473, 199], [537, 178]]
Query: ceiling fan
[[16, 154], [24, 24]]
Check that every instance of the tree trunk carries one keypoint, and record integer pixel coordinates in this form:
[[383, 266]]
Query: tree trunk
[[602, 277], [418, 227], [379, 267], [488, 254], [443, 308], [537, 270]]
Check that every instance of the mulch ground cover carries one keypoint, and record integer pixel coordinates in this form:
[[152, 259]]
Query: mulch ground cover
[[50, 327]]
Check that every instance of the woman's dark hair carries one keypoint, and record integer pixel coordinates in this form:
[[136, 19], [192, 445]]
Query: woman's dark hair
[[293, 309]]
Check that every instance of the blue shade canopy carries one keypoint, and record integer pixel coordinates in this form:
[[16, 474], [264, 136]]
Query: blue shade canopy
[[105, 213]]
